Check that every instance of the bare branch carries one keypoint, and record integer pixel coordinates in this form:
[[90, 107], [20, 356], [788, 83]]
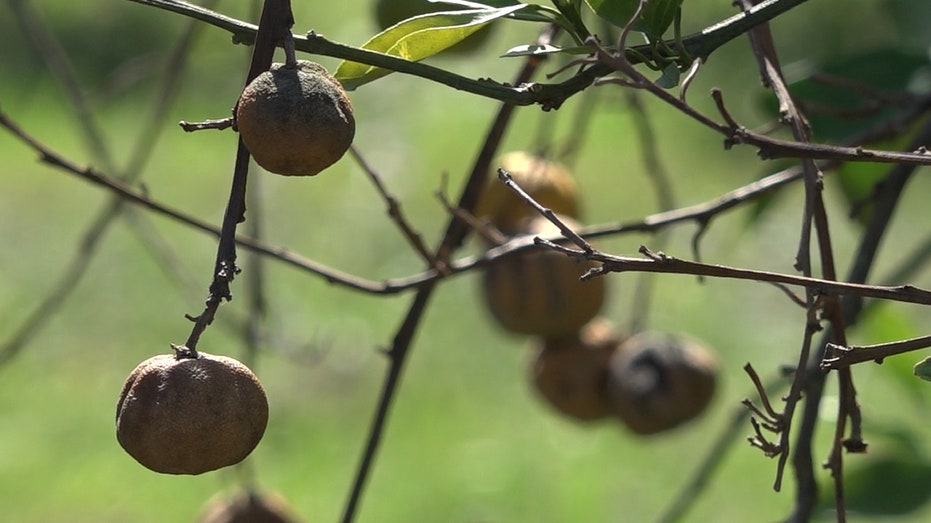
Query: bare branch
[[839, 356]]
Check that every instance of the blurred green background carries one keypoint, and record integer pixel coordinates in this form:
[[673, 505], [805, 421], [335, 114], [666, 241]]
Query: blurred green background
[[467, 440]]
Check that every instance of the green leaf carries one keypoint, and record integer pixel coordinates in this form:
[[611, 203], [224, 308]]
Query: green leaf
[[839, 95], [670, 77], [656, 17], [883, 322], [417, 38], [887, 485], [923, 369]]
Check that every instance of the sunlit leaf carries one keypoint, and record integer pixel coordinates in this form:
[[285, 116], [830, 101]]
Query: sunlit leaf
[[417, 38], [536, 49]]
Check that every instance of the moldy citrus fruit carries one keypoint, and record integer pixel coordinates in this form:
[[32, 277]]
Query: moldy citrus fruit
[[295, 120], [659, 381], [190, 413]]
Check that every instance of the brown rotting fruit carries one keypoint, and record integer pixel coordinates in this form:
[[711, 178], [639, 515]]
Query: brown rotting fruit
[[248, 507], [571, 372], [658, 381], [190, 413], [295, 120]]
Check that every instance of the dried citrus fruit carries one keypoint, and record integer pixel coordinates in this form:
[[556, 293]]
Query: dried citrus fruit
[[248, 507], [538, 291], [295, 120], [180, 414], [547, 182], [658, 381], [571, 372]]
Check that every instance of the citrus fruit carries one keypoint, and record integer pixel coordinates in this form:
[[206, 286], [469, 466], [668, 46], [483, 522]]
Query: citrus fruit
[[295, 120], [539, 291], [547, 182], [571, 372], [181, 414], [658, 381], [247, 507]]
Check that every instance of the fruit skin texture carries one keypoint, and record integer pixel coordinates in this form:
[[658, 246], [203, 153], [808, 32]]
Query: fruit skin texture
[[547, 182], [538, 291], [247, 507], [658, 381], [181, 415], [295, 121], [571, 372]]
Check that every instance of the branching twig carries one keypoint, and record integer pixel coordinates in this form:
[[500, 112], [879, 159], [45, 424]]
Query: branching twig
[[667, 264], [691, 491], [838, 356], [396, 285], [549, 96]]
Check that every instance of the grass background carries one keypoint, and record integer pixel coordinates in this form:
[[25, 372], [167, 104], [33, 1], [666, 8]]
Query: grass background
[[467, 440]]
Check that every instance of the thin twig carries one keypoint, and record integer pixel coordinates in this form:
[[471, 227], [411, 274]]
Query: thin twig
[[455, 233], [59, 64], [672, 265], [414, 238], [396, 285]]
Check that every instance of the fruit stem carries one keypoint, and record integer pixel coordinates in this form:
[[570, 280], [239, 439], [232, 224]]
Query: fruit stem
[[183, 352], [290, 56]]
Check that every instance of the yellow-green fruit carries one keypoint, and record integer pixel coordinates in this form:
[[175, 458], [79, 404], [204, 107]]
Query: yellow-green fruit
[[571, 372], [390, 12], [539, 291], [659, 381], [295, 120], [183, 415], [547, 182], [247, 507]]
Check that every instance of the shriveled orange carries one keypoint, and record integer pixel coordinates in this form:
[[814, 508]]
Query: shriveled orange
[[547, 182], [539, 291], [178, 414], [571, 372], [658, 381], [295, 120]]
